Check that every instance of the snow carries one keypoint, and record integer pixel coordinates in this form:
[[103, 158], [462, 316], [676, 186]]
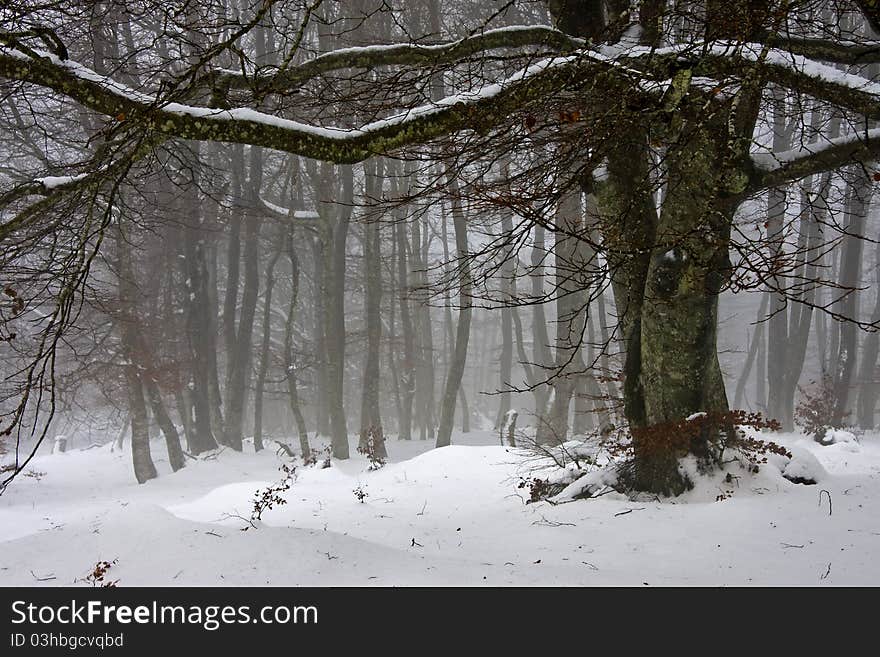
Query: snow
[[253, 116], [804, 467], [835, 436], [52, 182], [618, 56], [304, 215], [767, 161], [437, 517]]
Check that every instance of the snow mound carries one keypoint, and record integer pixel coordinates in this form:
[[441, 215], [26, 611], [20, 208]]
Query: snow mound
[[843, 439], [228, 504], [599, 480], [804, 468]]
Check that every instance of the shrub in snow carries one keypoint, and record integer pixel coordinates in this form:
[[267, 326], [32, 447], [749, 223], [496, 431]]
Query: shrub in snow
[[815, 411], [266, 499], [98, 576], [360, 494], [715, 439], [372, 445]]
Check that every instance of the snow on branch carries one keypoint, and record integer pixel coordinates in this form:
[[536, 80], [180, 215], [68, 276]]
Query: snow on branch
[[288, 215], [852, 53], [775, 169], [249, 126], [400, 54], [481, 109]]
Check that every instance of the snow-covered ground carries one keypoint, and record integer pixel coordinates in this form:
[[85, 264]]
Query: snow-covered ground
[[451, 516]]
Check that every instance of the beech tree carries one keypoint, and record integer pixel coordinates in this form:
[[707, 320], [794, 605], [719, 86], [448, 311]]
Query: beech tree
[[634, 133]]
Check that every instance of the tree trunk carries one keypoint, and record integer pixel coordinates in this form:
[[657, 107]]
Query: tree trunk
[[506, 272], [289, 364], [335, 220], [265, 349], [242, 352], [571, 303], [448, 331], [869, 389], [372, 439], [850, 273], [459, 359], [172, 438], [144, 469], [541, 340], [679, 362], [408, 377], [319, 301], [753, 351], [198, 323]]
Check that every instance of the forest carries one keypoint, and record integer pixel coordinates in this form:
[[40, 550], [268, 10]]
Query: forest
[[429, 288]]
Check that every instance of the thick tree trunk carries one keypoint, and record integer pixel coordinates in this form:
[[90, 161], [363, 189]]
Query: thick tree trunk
[[679, 362]]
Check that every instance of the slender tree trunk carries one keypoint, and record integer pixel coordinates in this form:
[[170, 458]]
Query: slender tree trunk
[[198, 323], [408, 366], [144, 469], [215, 396], [541, 340], [571, 303], [753, 351], [319, 301], [448, 331], [336, 328], [777, 331], [506, 273], [242, 353], [172, 438], [372, 439], [459, 359], [265, 349], [869, 386], [289, 364], [850, 274]]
